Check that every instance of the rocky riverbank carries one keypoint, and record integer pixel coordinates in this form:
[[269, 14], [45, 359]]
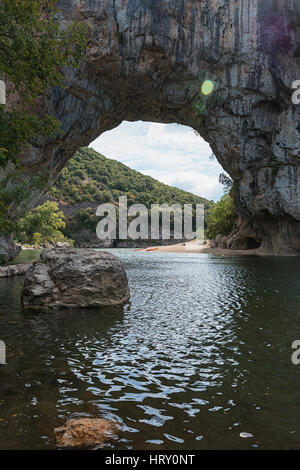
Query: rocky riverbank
[[14, 270]]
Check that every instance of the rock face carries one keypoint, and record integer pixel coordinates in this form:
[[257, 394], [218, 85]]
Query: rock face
[[88, 239], [69, 278], [8, 249], [14, 270], [147, 60], [85, 433], [242, 237]]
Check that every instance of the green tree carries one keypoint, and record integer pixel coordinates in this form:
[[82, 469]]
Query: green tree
[[42, 225], [226, 181], [33, 51], [84, 219], [220, 218]]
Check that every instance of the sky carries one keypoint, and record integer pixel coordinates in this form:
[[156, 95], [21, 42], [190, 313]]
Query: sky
[[171, 153]]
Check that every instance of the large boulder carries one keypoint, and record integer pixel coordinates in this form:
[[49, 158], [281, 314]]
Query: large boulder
[[75, 278]]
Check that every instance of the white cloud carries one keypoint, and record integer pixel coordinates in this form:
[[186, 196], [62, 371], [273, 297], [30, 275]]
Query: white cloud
[[201, 184], [170, 153]]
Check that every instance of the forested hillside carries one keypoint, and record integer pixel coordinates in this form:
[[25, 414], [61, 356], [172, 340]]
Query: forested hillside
[[90, 176], [90, 179]]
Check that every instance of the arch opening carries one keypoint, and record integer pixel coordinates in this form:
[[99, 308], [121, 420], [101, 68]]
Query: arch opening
[[150, 61], [178, 160]]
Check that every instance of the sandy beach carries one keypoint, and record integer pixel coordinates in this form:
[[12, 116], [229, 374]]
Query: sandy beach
[[197, 247]]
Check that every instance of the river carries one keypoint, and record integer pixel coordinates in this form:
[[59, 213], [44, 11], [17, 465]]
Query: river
[[200, 355]]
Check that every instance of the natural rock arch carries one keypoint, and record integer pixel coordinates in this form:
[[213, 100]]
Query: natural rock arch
[[147, 60]]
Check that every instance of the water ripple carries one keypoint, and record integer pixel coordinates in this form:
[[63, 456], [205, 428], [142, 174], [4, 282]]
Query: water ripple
[[200, 355]]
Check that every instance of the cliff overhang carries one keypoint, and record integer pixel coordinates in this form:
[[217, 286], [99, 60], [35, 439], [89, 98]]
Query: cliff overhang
[[147, 60]]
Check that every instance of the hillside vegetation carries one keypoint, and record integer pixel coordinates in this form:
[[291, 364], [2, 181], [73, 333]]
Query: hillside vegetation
[[89, 179], [92, 177]]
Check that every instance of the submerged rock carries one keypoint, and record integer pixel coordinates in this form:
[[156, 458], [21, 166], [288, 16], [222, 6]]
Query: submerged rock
[[75, 278], [85, 432]]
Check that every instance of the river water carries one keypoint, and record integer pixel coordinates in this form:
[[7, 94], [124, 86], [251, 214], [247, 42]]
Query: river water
[[201, 354]]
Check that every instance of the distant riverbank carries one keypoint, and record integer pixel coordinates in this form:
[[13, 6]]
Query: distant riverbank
[[197, 247], [31, 253], [26, 256]]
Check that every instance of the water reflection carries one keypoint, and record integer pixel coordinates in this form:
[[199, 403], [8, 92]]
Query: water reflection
[[200, 355]]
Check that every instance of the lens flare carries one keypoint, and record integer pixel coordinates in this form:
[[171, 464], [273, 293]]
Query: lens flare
[[207, 87]]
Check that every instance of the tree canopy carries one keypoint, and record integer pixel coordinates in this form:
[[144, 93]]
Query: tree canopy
[[221, 217], [33, 51], [42, 225]]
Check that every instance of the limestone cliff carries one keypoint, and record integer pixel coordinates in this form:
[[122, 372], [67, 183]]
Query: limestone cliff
[[147, 59]]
